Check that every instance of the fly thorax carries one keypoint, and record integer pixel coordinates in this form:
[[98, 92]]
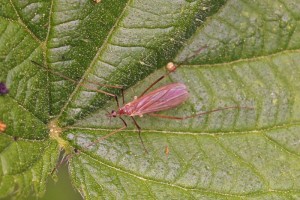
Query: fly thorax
[[126, 110]]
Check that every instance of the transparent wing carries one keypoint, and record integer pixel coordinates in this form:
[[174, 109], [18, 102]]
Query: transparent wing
[[163, 98]]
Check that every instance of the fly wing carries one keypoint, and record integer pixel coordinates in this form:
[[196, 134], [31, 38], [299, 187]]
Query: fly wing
[[163, 98]]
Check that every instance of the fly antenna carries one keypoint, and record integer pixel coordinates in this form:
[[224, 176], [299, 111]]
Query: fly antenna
[[53, 72], [108, 115], [172, 67], [75, 81], [195, 53]]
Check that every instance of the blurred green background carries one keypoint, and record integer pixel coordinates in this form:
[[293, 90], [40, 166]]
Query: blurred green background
[[62, 189]]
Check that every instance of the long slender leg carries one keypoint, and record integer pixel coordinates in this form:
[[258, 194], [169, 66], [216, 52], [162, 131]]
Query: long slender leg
[[155, 82], [195, 53], [72, 80], [123, 98], [171, 68], [93, 143], [63, 159], [99, 139], [197, 115], [116, 98], [139, 131], [110, 134], [82, 84]]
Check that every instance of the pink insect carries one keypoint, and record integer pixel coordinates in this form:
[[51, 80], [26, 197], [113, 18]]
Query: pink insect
[[163, 98]]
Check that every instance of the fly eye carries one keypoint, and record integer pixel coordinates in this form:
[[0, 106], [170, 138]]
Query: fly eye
[[113, 113]]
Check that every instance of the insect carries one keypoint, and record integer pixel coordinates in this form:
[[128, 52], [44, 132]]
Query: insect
[[2, 126], [163, 98], [3, 89]]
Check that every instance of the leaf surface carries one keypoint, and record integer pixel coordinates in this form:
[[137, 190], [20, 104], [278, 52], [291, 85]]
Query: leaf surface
[[251, 60]]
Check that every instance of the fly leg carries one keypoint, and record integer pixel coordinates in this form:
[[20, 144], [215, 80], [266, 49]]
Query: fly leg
[[139, 131], [110, 134], [122, 92], [123, 98], [171, 67], [66, 158], [84, 85], [155, 82]]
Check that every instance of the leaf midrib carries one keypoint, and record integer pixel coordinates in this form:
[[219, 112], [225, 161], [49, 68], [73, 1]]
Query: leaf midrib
[[253, 131]]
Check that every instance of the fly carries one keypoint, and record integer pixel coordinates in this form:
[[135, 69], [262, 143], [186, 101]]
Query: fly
[[163, 98]]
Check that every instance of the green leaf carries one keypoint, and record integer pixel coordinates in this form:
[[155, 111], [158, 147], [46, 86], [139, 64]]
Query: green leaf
[[251, 59]]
